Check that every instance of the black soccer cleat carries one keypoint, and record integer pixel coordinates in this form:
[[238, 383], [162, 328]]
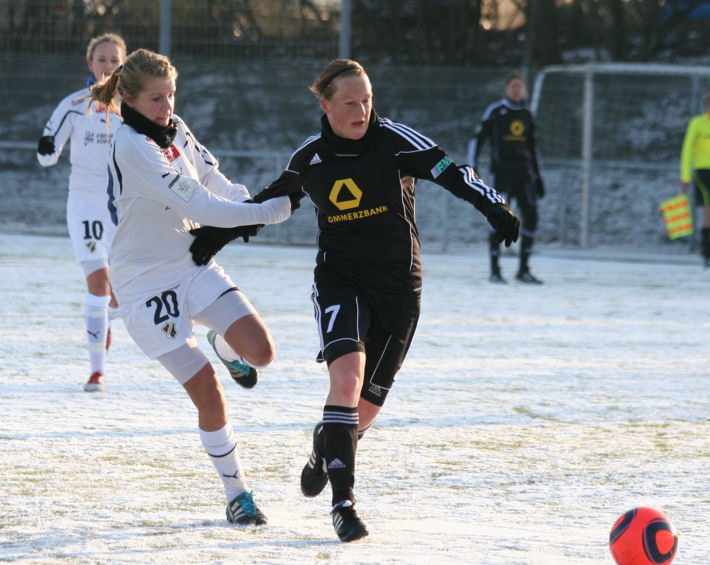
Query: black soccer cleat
[[314, 476], [242, 373], [497, 278], [527, 277], [243, 510], [346, 522]]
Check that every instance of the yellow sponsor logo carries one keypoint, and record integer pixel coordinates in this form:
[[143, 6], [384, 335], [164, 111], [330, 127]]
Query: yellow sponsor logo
[[344, 203], [517, 131], [517, 127]]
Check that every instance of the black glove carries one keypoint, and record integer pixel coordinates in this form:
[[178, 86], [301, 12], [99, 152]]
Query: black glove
[[282, 186], [539, 187], [45, 146], [505, 223], [209, 240], [245, 232]]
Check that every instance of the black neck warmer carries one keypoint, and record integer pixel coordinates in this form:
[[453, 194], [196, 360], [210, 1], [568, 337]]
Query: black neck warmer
[[162, 135], [342, 146]]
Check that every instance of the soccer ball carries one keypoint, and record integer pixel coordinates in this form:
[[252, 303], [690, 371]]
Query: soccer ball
[[643, 536]]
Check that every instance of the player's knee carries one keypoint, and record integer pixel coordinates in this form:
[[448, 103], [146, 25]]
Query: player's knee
[[348, 385], [262, 355]]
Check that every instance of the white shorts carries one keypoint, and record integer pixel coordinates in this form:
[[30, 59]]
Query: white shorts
[[160, 322], [90, 229]]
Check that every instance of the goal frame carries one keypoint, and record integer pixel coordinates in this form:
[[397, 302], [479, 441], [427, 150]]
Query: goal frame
[[588, 71]]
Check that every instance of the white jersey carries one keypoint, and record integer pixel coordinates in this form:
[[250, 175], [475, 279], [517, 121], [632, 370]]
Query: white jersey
[[86, 125], [157, 196]]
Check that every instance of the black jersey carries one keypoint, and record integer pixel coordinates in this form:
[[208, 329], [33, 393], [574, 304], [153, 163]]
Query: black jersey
[[363, 192], [511, 131]]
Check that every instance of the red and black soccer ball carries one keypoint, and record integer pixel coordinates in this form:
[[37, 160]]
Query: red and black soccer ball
[[643, 536]]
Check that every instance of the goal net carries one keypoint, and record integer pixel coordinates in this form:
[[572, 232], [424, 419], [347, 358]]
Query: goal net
[[611, 136]]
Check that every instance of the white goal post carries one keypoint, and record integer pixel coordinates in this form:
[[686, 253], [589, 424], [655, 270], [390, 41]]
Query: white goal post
[[619, 116]]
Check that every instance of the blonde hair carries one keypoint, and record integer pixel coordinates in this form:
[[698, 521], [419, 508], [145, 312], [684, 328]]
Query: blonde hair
[[323, 86], [131, 77], [114, 38]]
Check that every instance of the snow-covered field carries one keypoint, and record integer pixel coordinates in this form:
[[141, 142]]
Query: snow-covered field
[[524, 422]]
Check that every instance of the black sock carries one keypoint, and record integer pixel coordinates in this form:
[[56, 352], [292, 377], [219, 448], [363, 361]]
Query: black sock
[[340, 443], [494, 250], [525, 251]]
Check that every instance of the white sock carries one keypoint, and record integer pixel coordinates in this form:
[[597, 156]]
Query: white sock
[[96, 319], [221, 446], [113, 313], [225, 351]]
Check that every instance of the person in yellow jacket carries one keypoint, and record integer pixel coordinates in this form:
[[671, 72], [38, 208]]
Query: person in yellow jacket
[[695, 167]]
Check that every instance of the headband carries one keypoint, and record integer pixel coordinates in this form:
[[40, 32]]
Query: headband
[[338, 73]]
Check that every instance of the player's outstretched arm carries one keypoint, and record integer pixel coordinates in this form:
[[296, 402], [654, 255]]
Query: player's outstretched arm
[[288, 184]]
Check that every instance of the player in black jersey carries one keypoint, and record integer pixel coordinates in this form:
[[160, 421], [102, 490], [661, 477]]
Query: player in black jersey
[[359, 172], [509, 126]]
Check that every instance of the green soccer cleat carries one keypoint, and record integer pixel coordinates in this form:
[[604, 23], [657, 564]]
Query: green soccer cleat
[[243, 511], [242, 373]]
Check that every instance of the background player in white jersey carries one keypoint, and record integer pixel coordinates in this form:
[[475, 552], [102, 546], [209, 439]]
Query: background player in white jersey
[[162, 185], [89, 129]]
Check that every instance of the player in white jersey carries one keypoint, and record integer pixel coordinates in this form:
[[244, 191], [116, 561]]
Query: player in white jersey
[[162, 185], [88, 128]]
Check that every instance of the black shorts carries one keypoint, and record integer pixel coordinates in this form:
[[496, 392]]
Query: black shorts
[[349, 321], [701, 181]]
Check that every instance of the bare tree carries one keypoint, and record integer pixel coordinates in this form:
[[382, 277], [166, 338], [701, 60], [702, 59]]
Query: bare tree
[[543, 32]]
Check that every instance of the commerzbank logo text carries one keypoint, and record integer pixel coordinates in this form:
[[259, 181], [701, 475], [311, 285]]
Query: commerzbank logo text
[[346, 195]]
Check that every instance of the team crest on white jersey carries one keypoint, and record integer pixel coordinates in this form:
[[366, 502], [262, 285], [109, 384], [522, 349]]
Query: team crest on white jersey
[[170, 330]]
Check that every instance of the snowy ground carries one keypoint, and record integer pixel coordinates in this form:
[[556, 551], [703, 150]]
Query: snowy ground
[[524, 422]]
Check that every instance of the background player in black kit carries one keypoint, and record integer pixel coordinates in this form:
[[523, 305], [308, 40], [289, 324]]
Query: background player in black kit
[[359, 172], [515, 166]]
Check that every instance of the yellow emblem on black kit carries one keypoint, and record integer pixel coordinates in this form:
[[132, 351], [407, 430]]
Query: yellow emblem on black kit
[[346, 204], [517, 128]]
